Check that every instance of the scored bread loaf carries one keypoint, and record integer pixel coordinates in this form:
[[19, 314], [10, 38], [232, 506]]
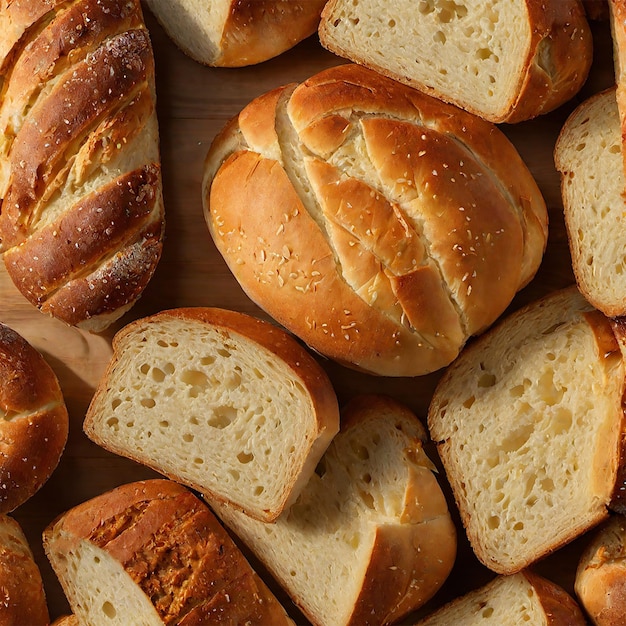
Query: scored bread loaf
[[600, 582], [22, 598], [503, 60], [236, 33], [588, 146], [219, 400], [529, 424], [522, 598], [379, 225], [152, 553], [81, 213], [370, 538], [34, 422]]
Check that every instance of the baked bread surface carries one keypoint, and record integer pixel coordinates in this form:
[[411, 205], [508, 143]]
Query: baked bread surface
[[379, 225]]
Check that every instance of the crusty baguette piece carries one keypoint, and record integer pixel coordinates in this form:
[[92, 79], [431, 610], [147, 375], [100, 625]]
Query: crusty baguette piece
[[600, 582], [236, 33], [219, 400], [588, 146], [529, 424], [370, 538], [34, 422], [522, 598], [81, 211], [503, 60], [381, 226], [152, 553]]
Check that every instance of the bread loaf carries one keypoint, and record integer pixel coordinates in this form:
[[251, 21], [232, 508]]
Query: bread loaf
[[152, 553], [506, 61], [33, 420], [81, 213], [235, 33], [529, 424], [600, 582], [220, 401], [617, 16], [379, 225], [522, 598], [370, 537], [23, 601]]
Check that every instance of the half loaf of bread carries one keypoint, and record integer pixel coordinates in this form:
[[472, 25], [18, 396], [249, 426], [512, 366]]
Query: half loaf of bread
[[152, 553], [379, 225], [529, 423], [522, 598], [221, 401], [34, 422], [370, 538], [235, 33], [81, 212], [503, 60]]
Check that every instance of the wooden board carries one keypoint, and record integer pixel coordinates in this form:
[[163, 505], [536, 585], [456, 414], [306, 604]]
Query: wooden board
[[194, 102]]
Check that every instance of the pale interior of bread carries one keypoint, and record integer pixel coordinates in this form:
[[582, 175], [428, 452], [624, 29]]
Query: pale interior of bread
[[471, 49]]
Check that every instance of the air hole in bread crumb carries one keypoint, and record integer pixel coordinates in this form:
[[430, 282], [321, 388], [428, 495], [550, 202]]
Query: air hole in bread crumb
[[144, 369], [207, 360], [224, 352], [109, 610], [468, 403], [581, 146], [188, 437], [158, 375], [164, 424], [493, 522], [198, 461], [195, 378], [518, 526], [439, 37], [245, 457], [615, 149], [222, 417], [487, 380], [366, 478], [148, 403], [487, 612], [258, 490], [234, 473], [113, 423], [115, 403], [360, 451], [367, 499]]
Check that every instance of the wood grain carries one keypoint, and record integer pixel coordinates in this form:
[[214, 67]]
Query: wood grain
[[194, 102]]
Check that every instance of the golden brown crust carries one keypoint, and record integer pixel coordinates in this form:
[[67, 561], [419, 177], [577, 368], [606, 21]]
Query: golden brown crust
[[559, 607], [33, 420]]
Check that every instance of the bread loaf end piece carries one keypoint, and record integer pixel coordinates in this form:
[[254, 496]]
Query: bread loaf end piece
[[509, 418], [152, 550], [219, 400], [370, 538]]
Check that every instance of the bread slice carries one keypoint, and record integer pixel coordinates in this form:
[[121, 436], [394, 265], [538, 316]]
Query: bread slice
[[152, 553], [503, 60], [370, 538], [589, 146], [232, 33], [617, 17], [522, 598], [529, 425], [218, 400], [600, 582]]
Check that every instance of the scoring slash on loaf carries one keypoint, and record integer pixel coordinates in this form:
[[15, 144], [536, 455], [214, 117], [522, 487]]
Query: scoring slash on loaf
[[34, 421], [529, 424], [236, 33], [522, 598], [221, 401], [152, 553], [506, 61], [81, 213], [379, 225], [370, 538]]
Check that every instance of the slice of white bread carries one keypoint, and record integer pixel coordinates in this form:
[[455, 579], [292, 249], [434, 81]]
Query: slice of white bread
[[529, 424], [219, 400], [152, 553], [236, 33], [600, 582], [588, 155], [522, 598], [500, 59], [370, 538]]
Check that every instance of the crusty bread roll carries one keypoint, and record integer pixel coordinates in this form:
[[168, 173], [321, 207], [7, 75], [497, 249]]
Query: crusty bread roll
[[522, 598], [152, 553], [600, 582], [235, 33], [381, 226], [370, 538], [503, 60], [218, 400], [529, 424], [590, 144], [34, 422], [22, 599], [81, 213]]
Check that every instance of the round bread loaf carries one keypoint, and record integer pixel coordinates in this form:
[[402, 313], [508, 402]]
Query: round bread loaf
[[381, 226], [33, 420]]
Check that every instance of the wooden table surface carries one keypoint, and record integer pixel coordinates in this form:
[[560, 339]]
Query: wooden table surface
[[194, 102]]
